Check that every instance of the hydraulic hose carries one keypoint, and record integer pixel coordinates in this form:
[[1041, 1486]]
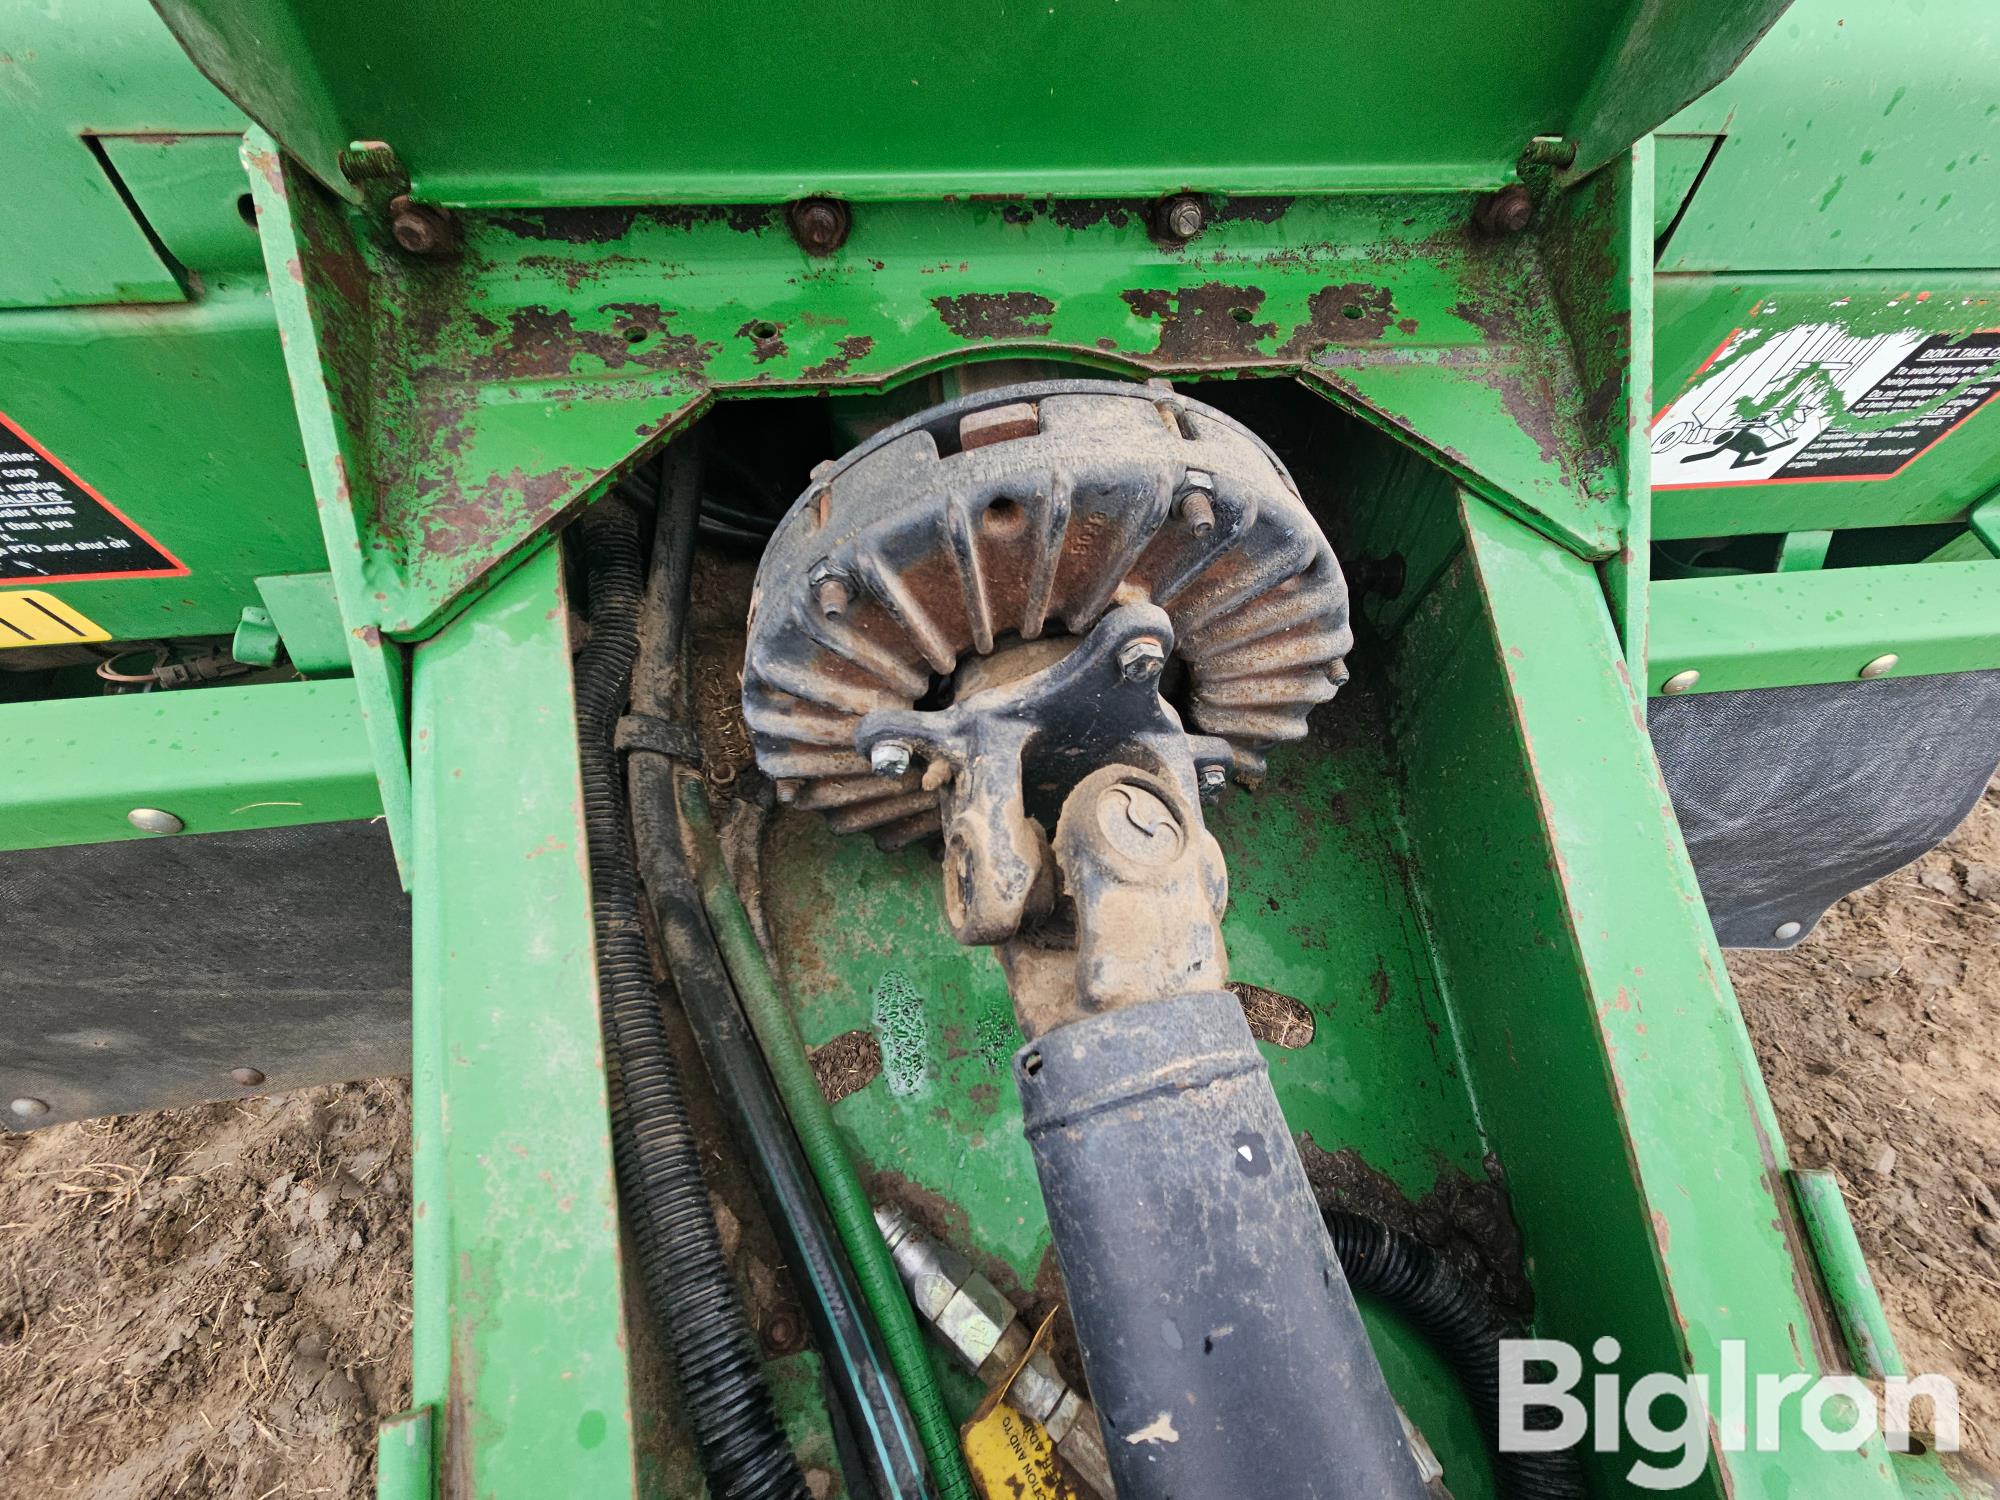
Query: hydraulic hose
[[812, 1118], [693, 1296], [1458, 1319], [881, 1433]]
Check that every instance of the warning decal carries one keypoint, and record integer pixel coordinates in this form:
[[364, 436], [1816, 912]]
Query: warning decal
[[54, 527], [33, 618], [1816, 402]]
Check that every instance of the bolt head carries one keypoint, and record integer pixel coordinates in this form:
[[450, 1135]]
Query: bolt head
[[1786, 931], [1212, 779], [1508, 211], [1182, 218], [29, 1109], [420, 228], [1680, 682], [819, 225], [249, 1078], [1142, 659], [889, 758], [154, 820], [1881, 666]]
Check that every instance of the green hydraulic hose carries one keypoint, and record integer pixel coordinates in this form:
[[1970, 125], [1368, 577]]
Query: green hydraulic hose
[[812, 1117]]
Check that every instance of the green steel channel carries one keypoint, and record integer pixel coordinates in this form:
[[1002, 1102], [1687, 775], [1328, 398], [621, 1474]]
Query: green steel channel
[[333, 451], [1757, 630], [1613, 1069], [220, 759], [518, 1342]]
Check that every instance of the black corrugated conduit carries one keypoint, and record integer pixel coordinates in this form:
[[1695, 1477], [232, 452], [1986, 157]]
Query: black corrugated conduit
[[1459, 1321], [688, 1285], [867, 1393]]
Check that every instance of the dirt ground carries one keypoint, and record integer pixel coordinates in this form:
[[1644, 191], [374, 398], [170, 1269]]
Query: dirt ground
[[1880, 1039], [209, 1302], [214, 1303]]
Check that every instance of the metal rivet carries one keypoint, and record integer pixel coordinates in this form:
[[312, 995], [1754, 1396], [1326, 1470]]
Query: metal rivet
[[1882, 666], [154, 820], [248, 1077], [1786, 931], [27, 1109], [1142, 659], [889, 758], [1680, 682]]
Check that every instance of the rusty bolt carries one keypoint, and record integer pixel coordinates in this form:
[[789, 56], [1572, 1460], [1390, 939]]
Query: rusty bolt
[[1142, 659], [820, 225], [248, 1077], [1180, 218], [1505, 212], [832, 597], [1197, 503], [889, 757], [784, 1333], [421, 228]]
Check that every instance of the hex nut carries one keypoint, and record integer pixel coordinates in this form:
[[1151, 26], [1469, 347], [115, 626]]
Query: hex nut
[[889, 758], [1140, 660], [974, 1319]]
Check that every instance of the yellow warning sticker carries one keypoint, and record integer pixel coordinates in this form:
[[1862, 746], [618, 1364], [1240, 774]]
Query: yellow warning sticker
[[1011, 1459], [33, 618]]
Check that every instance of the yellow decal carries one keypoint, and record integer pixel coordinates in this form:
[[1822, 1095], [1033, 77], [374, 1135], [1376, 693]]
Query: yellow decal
[[1011, 1458], [33, 618]]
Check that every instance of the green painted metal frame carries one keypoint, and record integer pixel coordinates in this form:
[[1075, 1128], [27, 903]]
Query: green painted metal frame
[[923, 102], [1563, 907], [220, 759], [1757, 630], [456, 410], [518, 1342]]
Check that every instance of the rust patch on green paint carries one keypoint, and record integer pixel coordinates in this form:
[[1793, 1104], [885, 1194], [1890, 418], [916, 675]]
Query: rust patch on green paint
[[1355, 312], [846, 352], [996, 315], [1211, 324]]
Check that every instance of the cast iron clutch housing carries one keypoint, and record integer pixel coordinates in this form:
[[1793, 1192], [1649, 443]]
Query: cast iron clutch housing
[[1021, 514]]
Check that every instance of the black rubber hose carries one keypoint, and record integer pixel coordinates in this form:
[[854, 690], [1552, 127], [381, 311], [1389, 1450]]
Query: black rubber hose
[[743, 1448], [863, 1378], [1458, 1319]]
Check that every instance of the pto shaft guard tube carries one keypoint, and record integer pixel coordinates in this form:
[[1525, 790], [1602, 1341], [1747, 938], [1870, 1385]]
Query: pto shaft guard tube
[[1222, 1344]]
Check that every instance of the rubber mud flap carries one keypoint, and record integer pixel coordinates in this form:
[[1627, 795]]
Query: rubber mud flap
[[1221, 1342]]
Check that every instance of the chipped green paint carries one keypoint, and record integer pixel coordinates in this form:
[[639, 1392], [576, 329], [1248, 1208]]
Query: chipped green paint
[[472, 401]]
